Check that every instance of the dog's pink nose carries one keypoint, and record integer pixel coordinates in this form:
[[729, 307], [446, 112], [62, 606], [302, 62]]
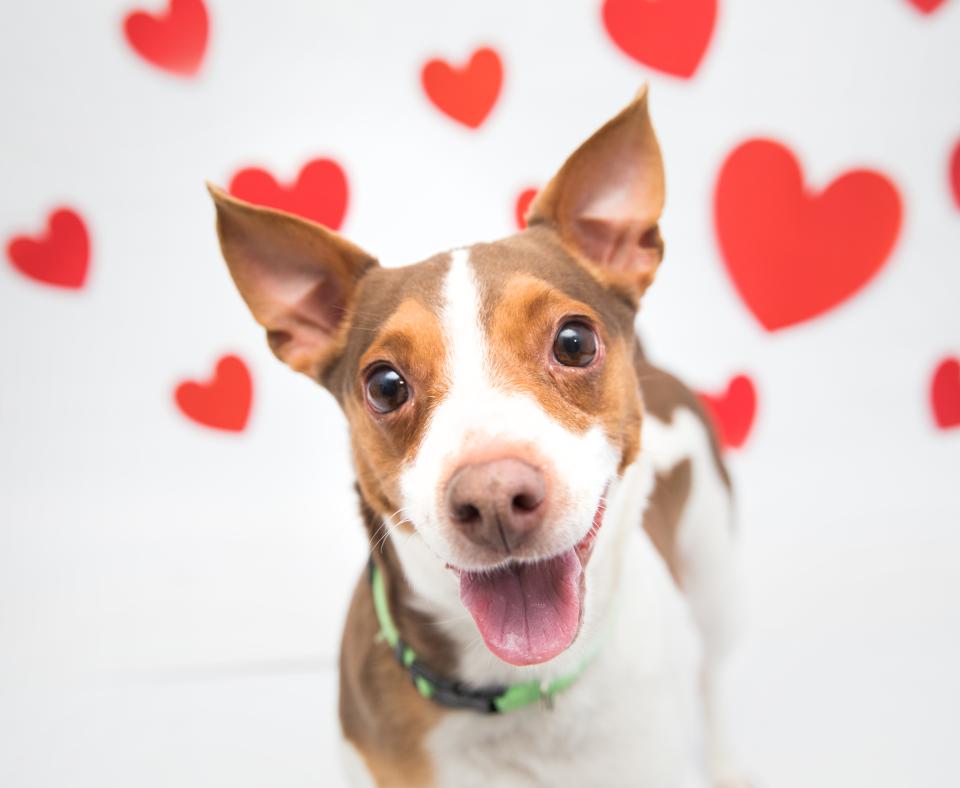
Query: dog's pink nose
[[497, 504]]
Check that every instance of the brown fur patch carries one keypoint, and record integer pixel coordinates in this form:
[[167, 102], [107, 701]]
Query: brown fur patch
[[393, 319], [662, 517], [411, 341], [663, 394], [522, 358], [529, 283], [381, 713]]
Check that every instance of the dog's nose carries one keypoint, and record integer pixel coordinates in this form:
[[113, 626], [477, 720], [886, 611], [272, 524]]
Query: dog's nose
[[497, 504]]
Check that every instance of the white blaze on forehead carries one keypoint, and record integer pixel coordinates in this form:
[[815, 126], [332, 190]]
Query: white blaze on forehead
[[461, 322], [477, 411]]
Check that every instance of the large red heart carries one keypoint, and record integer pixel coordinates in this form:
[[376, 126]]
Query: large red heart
[[222, 402], [668, 36], [793, 254], [466, 94], [945, 393], [61, 256], [175, 40], [927, 6], [733, 411], [319, 193], [955, 174], [523, 205]]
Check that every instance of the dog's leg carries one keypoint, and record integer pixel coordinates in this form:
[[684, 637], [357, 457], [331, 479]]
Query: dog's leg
[[710, 591], [722, 766], [707, 568], [711, 596]]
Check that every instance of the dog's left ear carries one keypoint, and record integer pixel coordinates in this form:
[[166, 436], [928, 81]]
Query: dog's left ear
[[606, 200], [297, 277]]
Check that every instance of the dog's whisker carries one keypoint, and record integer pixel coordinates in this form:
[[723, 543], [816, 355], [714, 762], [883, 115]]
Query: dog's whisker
[[391, 527], [443, 622]]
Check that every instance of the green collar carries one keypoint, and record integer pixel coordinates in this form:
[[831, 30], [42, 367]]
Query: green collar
[[490, 700]]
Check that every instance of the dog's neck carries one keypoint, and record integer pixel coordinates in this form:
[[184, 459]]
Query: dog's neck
[[425, 594]]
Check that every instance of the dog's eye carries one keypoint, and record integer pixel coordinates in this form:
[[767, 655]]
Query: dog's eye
[[386, 389], [575, 345]]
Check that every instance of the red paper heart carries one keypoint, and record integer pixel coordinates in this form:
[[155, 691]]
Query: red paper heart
[[955, 174], [319, 193], [60, 257], [466, 94], [793, 254], [222, 402], [945, 394], [523, 204], [174, 40], [668, 36], [927, 6], [733, 411]]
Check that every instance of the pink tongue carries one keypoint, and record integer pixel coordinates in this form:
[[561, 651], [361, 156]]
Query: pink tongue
[[526, 613]]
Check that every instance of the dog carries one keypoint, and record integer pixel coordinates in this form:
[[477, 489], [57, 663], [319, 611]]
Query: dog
[[550, 591]]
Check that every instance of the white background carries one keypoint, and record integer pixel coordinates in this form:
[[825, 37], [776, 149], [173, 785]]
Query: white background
[[171, 597]]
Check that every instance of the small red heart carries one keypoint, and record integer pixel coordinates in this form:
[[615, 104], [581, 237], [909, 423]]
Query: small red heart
[[319, 193], [955, 174], [174, 40], [222, 402], [466, 94], [669, 36], [927, 6], [60, 257], [945, 394], [793, 254], [523, 204], [733, 411]]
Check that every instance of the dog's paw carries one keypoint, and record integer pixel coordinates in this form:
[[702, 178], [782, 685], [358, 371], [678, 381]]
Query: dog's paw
[[726, 773], [731, 779]]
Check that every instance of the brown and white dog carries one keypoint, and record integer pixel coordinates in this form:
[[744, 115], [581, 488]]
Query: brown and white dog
[[546, 507]]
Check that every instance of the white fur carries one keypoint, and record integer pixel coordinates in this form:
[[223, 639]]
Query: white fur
[[635, 716]]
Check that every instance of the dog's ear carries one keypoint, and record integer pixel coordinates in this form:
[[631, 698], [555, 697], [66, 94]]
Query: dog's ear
[[605, 201], [297, 277]]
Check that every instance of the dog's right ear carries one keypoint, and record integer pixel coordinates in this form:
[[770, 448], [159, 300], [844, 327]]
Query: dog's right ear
[[605, 201], [297, 277]]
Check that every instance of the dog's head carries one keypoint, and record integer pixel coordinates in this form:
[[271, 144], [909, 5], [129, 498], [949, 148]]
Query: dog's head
[[490, 390]]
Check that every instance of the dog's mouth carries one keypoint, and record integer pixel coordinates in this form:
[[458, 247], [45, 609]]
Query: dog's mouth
[[529, 612]]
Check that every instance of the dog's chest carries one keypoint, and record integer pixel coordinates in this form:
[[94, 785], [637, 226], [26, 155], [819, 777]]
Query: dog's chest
[[630, 720]]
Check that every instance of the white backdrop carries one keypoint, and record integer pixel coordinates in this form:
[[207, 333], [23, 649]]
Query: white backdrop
[[171, 595]]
